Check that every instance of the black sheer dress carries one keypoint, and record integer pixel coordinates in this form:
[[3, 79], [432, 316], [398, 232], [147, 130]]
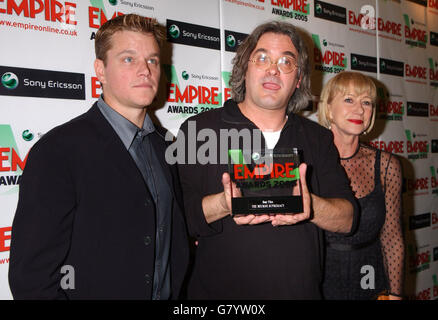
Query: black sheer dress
[[371, 261]]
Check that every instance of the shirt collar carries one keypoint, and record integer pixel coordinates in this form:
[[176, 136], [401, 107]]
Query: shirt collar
[[231, 113], [124, 128]]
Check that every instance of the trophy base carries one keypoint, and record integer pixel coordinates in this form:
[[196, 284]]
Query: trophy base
[[267, 205]]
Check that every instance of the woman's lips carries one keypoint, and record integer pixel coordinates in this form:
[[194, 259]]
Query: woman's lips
[[355, 121]]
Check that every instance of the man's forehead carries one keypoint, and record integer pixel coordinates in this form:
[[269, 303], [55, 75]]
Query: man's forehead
[[270, 41]]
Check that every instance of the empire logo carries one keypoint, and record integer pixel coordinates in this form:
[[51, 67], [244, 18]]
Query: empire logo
[[435, 286], [387, 108], [414, 37], [97, 17], [390, 110], [434, 187], [386, 26], [418, 187], [5, 239], [416, 149], [201, 94], [389, 27], [433, 112], [52, 10], [416, 72], [294, 9], [295, 5], [178, 96], [328, 61], [433, 72], [11, 163], [99, 13], [273, 170], [418, 260], [389, 146]]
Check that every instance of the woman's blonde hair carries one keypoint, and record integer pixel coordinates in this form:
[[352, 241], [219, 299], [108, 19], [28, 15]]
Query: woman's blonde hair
[[340, 84]]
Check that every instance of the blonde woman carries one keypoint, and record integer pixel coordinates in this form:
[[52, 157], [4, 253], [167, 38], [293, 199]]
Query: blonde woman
[[370, 262]]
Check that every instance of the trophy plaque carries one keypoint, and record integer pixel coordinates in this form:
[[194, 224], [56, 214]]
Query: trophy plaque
[[265, 181]]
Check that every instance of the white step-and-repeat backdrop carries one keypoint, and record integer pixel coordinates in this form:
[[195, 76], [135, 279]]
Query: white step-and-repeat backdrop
[[47, 78]]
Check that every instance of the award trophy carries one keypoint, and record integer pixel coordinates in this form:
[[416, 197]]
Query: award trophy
[[265, 181]]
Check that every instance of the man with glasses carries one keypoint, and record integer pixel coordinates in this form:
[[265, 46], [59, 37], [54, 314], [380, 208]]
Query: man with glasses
[[266, 256]]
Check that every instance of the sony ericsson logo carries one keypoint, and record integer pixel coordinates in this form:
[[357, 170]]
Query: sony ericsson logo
[[112, 2], [174, 31], [185, 75], [192, 34], [231, 41], [27, 135], [363, 63], [25, 82], [318, 8], [391, 67], [354, 61], [9, 80]]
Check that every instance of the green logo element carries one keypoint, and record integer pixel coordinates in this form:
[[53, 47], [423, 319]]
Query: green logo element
[[185, 75], [382, 65], [354, 61], [27, 135], [113, 2], [9, 80], [318, 8], [231, 41], [324, 42], [174, 31]]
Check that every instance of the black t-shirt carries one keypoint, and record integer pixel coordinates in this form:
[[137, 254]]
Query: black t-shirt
[[258, 261]]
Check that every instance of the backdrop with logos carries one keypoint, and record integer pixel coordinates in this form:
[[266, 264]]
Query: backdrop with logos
[[47, 78]]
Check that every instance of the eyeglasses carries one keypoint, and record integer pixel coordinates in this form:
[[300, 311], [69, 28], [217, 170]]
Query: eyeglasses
[[285, 64]]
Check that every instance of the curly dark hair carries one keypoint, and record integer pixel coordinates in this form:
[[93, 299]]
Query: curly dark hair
[[300, 98]]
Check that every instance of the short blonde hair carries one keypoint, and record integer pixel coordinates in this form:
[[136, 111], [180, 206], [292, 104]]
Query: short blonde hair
[[128, 22], [340, 84]]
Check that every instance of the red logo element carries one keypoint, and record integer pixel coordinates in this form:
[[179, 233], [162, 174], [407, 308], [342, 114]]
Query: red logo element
[[391, 146], [297, 5], [204, 95], [96, 17], [15, 160], [394, 107], [275, 170], [4, 237], [415, 71], [337, 58], [415, 34], [389, 27], [53, 10]]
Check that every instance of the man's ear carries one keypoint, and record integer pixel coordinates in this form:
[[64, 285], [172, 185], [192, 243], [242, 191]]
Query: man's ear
[[299, 81], [99, 69]]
